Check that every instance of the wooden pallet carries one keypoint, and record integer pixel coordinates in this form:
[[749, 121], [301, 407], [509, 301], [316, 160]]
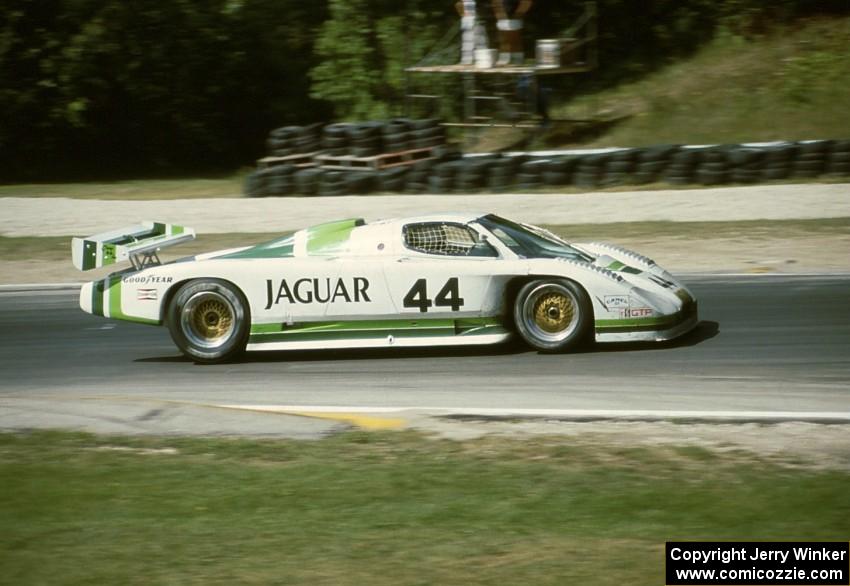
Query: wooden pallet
[[376, 162], [299, 160]]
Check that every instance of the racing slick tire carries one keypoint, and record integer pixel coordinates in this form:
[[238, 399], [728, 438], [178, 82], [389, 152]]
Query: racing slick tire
[[553, 315], [209, 320]]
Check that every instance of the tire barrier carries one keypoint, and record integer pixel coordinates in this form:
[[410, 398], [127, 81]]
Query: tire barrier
[[368, 139], [294, 152], [294, 140], [451, 172]]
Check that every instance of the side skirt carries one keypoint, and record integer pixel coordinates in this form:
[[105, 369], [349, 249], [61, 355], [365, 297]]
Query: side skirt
[[378, 334]]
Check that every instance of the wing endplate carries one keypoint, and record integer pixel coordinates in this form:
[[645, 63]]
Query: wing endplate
[[138, 244]]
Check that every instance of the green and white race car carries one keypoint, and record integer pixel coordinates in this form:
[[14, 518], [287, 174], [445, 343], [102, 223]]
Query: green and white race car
[[448, 279]]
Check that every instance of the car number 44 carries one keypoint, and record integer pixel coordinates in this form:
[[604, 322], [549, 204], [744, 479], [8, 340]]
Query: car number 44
[[449, 296]]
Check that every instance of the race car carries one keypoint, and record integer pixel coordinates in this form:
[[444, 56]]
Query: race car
[[447, 279]]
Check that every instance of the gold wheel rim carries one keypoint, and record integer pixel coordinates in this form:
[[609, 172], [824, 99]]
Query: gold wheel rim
[[553, 312], [212, 319]]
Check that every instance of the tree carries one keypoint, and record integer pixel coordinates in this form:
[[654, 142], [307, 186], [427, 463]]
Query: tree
[[348, 75]]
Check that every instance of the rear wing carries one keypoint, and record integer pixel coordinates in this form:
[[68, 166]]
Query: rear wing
[[139, 244]]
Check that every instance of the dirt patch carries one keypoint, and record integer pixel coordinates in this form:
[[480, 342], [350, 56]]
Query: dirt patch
[[792, 444]]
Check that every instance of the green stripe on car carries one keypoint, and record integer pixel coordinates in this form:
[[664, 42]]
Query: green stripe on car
[[115, 297], [277, 248], [328, 237], [645, 323], [97, 297], [114, 286], [373, 329]]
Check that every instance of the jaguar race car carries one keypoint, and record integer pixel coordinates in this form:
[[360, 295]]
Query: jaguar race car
[[449, 279]]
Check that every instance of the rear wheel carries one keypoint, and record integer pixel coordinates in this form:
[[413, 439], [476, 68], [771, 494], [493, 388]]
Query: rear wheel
[[553, 315], [209, 321]]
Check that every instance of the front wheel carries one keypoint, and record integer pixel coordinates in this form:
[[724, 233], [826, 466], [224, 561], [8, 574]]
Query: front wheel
[[553, 315], [209, 320]]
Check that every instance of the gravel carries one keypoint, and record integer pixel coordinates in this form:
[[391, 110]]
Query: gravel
[[64, 217]]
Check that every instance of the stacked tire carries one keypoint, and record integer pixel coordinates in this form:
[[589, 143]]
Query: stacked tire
[[280, 180], [713, 166], [651, 163], [282, 141], [559, 171], [294, 140], [530, 174], [271, 181], [589, 171], [811, 158], [778, 160], [309, 139], [396, 135], [417, 177], [365, 139], [335, 139], [333, 183], [472, 173], [308, 181], [619, 167], [838, 163], [361, 182], [443, 178], [426, 133], [392, 180], [255, 183], [501, 174], [447, 171], [747, 164], [683, 164]]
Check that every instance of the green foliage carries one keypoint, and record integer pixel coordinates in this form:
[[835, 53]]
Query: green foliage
[[789, 85], [364, 48], [109, 87], [806, 77], [348, 75]]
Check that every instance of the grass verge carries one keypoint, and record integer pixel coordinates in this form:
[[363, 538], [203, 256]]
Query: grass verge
[[385, 508], [790, 85], [142, 189]]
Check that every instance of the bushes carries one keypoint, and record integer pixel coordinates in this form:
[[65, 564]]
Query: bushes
[[110, 88]]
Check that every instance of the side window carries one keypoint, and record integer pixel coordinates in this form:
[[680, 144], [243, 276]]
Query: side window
[[445, 239]]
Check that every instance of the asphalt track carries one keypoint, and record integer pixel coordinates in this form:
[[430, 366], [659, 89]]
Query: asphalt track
[[766, 344]]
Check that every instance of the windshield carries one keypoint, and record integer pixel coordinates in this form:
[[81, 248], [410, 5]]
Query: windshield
[[530, 241]]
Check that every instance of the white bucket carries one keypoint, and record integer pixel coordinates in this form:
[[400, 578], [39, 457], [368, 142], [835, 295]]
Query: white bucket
[[548, 53], [485, 58]]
